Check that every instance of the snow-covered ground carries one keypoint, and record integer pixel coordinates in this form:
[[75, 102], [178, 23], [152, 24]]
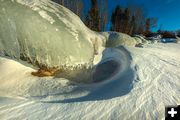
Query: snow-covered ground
[[140, 90], [124, 82]]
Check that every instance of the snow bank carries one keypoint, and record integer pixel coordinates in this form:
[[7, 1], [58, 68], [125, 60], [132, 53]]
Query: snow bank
[[150, 83], [124, 80], [16, 80], [115, 39]]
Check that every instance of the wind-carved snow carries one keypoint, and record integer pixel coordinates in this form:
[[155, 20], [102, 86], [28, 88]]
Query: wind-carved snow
[[122, 80], [150, 81]]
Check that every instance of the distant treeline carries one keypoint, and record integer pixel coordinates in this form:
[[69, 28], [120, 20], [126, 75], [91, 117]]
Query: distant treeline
[[130, 20]]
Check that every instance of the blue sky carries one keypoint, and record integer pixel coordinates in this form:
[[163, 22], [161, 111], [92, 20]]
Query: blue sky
[[167, 11]]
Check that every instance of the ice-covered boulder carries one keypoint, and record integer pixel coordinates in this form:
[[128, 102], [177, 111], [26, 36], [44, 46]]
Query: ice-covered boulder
[[45, 33], [115, 39], [141, 39]]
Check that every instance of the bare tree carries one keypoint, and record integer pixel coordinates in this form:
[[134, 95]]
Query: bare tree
[[103, 13], [75, 6], [150, 23], [132, 27], [61, 2], [93, 19], [79, 8], [117, 19], [126, 20]]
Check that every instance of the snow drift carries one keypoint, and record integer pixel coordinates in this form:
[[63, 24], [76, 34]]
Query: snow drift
[[149, 83], [125, 82], [16, 79]]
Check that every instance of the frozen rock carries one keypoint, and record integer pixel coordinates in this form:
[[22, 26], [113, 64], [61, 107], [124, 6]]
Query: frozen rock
[[115, 39], [45, 34]]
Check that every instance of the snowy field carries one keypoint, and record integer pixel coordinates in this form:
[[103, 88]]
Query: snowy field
[[125, 82], [149, 82]]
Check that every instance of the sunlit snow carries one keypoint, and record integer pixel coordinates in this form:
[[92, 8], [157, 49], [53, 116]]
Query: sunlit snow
[[115, 81]]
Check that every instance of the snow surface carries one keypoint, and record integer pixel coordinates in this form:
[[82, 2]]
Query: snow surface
[[123, 83], [140, 89]]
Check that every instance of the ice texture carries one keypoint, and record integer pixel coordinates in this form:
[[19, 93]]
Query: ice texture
[[43, 32], [115, 39]]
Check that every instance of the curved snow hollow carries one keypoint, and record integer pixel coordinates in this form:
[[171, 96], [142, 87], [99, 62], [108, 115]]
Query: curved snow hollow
[[27, 85], [140, 81], [150, 83]]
